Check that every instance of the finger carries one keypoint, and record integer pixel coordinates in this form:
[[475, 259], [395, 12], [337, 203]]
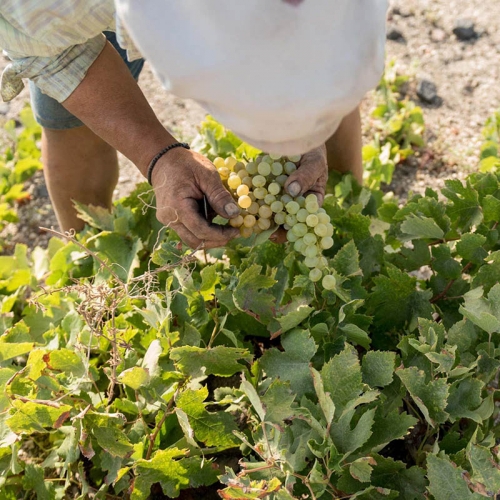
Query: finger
[[212, 234], [218, 197], [312, 171], [187, 237]]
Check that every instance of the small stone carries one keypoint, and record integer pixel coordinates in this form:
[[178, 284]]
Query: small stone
[[402, 11], [394, 34], [4, 108], [438, 35], [427, 91], [465, 30], [41, 191]]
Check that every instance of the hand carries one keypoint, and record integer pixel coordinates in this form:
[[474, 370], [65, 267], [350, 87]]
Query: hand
[[180, 179], [311, 176]]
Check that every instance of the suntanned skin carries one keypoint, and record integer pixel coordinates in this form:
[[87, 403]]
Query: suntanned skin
[[118, 117]]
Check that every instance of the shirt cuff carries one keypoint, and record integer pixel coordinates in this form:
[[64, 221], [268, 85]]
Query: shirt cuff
[[56, 76]]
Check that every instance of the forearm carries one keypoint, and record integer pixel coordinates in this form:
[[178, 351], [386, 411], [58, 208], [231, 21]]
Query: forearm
[[344, 148], [111, 104]]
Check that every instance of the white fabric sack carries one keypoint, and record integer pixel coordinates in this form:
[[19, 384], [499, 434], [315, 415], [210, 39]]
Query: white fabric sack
[[281, 74]]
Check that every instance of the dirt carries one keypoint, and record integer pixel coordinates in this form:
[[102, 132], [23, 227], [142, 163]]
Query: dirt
[[466, 74]]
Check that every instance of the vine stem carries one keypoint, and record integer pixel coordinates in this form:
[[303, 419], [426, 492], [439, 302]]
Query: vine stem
[[442, 295], [152, 437]]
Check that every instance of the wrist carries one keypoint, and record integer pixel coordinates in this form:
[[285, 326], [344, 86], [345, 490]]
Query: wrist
[[166, 150]]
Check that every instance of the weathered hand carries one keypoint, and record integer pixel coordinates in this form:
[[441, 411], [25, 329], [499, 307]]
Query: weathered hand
[[311, 176], [180, 179]]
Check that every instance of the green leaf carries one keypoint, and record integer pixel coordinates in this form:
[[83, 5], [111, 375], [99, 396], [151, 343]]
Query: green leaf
[[135, 377], [210, 278], [291, 316], [249, 295], [446, 482], [430, 397], [66, 361], [34, 480], [485, 467], [9, 351], [378, 368], [36, 417], [470, 247], [112, 439], [348, 439], [95, 216], [361, 469], [481, 311], [419, 227], [346, 261], [292, 365], [220, 360], [277, 402], [342, 378], [325, 401], [464, 398], [212, 429], [164, 468]]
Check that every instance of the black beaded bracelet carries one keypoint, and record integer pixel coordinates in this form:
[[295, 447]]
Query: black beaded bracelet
[[161, 153]]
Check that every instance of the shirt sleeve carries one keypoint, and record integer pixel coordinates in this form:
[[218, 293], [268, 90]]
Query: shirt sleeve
[[51, 42]]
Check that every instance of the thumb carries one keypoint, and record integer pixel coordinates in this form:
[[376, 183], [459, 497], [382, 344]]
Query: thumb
[[218, 197], [311, 175]]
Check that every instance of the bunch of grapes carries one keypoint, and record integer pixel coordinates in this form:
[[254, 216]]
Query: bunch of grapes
[[258, 188]]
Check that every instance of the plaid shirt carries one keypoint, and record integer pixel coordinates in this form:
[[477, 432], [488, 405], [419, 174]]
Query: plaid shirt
[[54, 42]]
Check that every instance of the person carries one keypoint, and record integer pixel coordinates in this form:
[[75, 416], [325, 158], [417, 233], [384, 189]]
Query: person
[[286, 76]]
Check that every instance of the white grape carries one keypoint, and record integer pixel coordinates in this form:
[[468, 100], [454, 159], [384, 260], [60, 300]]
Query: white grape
[[290, 167], [265, 212], [244, 201], [323, 218], [302, 215], [315, 275], [312, 207], [276, 168], [264, 224], [246, 232], [281, 179], [326, 242], [251, 168], [223, 172], [291, 220], [311, 251], [329, 282], [291, 237], [219, 162], [274, 188], [312, 220], [242, 190], [260, 193], [236, 222], [253, 209], [321, 230], [299, 245], [310, 239], [295, 158], [234, 181], [249, 220], [247, 181], [300, 229], [286, 198], [275, 156], [270, 199], [311, 261], [259, 181], [277, 206], [279, 218], [264, 169], [292, 207]]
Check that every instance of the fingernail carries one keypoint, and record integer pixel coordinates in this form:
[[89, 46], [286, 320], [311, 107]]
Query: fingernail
[[294, 189], [232, 209]]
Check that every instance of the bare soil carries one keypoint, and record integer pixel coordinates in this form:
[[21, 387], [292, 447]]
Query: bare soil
[[466, 73]]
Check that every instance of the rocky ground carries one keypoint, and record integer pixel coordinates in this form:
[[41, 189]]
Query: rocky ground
[[452, 47]]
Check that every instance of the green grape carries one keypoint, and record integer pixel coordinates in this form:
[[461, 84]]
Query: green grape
[[302, 215], [234, 181], [276, 168], [275, 156], [290, 167], [286, 198], [274, 188], [244, 201], [311, 261], [286, 227], [249, 220], [270, 199], [277, 206], [247, 181], [295, 158], [264, 224], [260, 193], [246, 232], [267, 159], [264, 169], [329, 230], [310, 239], [312, 208], [299, 245], [315, 275], [300, 229], [279, 218], [259, 181], [329, 282], [252, 196], [301, 201], [236, 222], [321, 230], [253, 209], [323, 218], [326, 242], [292, 207], [238, 167], [311, 198], [322, 263], [265, 212], [312, 220], [291, 236], [251, 168], [291, 220], [281, 179], [242, 174], [311, 251]]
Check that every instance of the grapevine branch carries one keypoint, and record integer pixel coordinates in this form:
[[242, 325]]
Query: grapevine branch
[[442, 295]]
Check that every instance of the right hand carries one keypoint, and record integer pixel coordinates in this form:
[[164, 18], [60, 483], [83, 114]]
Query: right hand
[[180, 179]]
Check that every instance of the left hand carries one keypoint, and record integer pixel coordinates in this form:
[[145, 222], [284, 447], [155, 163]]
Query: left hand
[[311, 176]]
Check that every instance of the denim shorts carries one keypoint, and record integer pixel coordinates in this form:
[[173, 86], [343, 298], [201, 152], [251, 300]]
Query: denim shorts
[[53, 115]]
